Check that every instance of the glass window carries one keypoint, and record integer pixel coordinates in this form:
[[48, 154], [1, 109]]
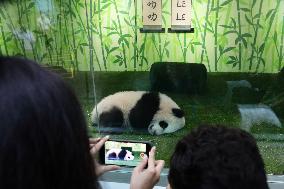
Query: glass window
[[228, 71]]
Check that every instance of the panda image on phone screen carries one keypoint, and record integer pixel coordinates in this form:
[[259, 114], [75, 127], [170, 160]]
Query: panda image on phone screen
[[119, 154]]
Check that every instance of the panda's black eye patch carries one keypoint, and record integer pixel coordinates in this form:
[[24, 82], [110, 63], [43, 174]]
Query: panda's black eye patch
[[163, 124], [178, 112]]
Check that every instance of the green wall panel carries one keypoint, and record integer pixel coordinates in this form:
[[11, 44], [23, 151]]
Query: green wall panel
[[230, 35]]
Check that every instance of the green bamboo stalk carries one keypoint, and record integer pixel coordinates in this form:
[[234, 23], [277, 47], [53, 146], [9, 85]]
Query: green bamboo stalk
[[255, 35], [101, 35], [136, 36], [56, 40], [204, 50], [87, 29], [91, 42], [185, 48], [239, 34], [268, 31], [135, 43], [79, 15], [154, 43], [3, 35], [74, 46], [252, 19], [143, 50], [48, 49], [90, 36], [21, 25], [4, 38], [160, 48], [35, 54], [281, 45], [12, 26], [56, 48], [66, 35], [180, 44], [216, 34], [46, 44], [61, 32], [120, 31], [227, 20]]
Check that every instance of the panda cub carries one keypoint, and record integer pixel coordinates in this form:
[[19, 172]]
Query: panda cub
[[144, 111], [119, 154]]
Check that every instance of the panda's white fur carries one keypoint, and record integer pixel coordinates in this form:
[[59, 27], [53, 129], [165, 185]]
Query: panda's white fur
[[165, 113], [127, 157], [126, 100]]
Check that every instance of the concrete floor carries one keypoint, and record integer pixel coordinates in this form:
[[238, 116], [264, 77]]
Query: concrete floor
[[120, 180]]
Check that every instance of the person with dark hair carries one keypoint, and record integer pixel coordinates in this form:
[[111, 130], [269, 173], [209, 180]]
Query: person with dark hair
[[217, 157], [43, 133]]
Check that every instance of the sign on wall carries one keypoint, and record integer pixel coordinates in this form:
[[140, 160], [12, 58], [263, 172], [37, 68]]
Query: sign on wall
[[152, 14], [181, 14]]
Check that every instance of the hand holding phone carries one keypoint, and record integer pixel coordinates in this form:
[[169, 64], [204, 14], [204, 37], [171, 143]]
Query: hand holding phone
[[95, 146], [147, 178]]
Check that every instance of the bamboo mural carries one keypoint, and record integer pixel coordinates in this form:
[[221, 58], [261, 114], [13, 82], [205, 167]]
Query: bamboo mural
[[122, 37], [3, 35], [231, 35], [204, 35], [99, 12], [280, 52], [142, 56], [271, 16], [256, 26]]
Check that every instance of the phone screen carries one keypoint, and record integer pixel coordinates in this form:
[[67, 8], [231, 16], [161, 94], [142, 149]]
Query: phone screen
[[124, 153]]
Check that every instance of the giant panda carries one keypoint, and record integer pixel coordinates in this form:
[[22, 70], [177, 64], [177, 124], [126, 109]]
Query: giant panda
[[119, 154], [144, 111]]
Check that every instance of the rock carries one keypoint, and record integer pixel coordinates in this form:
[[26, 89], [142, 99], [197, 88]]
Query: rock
[[244, 95], [252, 114], [190, 78], [274, 96], [242, 92]]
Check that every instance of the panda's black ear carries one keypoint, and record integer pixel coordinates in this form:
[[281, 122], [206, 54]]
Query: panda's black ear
[[122, 154], [178, 112]]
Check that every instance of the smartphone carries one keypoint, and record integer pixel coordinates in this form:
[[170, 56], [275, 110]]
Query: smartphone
[[124, 152]]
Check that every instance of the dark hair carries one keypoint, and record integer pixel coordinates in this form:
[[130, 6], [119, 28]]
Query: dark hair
[[43, 135], [217, 157]]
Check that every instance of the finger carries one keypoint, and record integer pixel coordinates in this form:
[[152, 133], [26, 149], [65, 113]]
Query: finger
[[140, 167], [100, 143], [93, 150], [156, 162], [159, 166], [94, 140], [151, 161], [91, 145]]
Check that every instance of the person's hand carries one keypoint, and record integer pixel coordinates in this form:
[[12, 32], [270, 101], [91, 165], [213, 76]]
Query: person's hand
[[169, 186], [95, 146], [147, 178]]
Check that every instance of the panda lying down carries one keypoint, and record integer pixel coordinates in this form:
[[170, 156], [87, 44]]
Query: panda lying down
[[141, 111], [119, 154]]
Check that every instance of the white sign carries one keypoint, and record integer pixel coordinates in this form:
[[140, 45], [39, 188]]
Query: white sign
[[152, 14], [181, 14]]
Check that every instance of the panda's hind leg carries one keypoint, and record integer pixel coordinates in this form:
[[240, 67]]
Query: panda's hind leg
[[112, 155], [112, 118]]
